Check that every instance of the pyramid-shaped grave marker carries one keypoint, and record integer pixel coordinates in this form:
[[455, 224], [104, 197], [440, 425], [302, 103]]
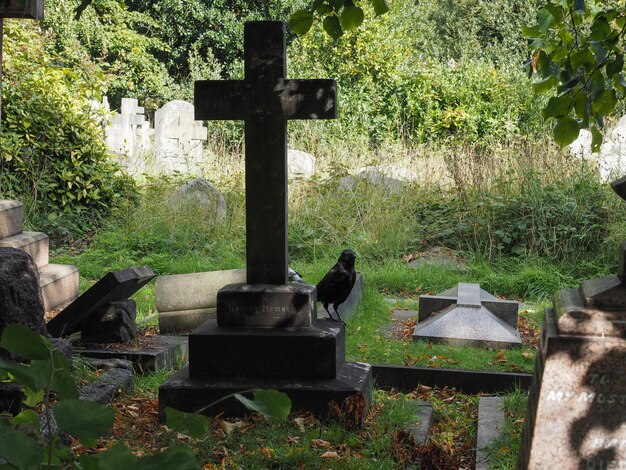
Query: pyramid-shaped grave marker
[[467, 315]]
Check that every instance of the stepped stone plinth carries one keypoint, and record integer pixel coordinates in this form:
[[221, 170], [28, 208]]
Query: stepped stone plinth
[[58, 283]]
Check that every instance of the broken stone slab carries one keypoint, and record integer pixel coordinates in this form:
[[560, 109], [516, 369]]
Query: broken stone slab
[[118, 285], [490, 425], [106, 364], [468, 316], [114, 322], [108, 386], [11, 218]]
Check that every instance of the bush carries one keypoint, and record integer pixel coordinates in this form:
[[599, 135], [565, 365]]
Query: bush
[[52, 150]]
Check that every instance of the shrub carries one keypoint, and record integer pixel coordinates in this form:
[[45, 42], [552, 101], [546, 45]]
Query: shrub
[[52, 150]]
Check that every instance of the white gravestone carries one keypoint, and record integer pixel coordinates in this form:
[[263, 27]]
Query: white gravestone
[[178, 138], [611, 158], [300, 164]]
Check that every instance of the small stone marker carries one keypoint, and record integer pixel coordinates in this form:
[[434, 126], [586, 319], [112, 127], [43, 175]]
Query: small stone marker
[[490, 424], [576, 406], [466, 315], [119, 285]]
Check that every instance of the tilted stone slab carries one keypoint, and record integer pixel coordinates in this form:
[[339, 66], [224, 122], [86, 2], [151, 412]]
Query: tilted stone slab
[[117, 285], [315, 352], [36, 244], [11, 218]]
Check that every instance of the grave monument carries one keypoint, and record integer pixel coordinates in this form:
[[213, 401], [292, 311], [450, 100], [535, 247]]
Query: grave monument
[[576, 416], [467, 315], [266, 334]]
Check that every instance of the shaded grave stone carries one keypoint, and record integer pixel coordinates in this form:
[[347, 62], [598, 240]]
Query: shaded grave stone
[[575, 416], [267, 324], [107, 386], [466, 315]]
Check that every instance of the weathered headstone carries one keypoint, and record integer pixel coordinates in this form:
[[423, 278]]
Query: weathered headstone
[[128, 132], [469, 316], [119, 285], [576, 415], [301, 164], [308, 363], [200, 197], [178, 138]]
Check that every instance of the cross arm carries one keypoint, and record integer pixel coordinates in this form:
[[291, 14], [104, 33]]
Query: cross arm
[[309, 99], [220, 100]]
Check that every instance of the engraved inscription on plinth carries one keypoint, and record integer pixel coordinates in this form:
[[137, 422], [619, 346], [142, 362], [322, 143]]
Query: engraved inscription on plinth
[[266, 305]]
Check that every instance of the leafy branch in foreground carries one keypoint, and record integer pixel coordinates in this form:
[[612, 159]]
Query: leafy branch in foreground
[[337, 16], [578, 54], [25, 445]]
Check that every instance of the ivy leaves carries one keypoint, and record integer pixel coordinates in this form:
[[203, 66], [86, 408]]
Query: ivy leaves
[[578, 56], [337, 16]]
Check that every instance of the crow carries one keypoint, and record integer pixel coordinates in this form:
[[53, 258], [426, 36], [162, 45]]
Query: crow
[[337, 283]]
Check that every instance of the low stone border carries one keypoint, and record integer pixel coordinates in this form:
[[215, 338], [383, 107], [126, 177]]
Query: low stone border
[[406, 379]]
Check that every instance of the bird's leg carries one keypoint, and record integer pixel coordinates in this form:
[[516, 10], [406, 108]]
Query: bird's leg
[[328, 312], [337, 312]]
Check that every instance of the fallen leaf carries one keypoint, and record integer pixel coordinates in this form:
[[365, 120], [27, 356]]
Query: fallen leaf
[[321, 444], [230, 427], [528, 355], [300, 423], [330, 454]]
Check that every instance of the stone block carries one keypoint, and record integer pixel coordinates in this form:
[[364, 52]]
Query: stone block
[[113, 322], [108, 386], [195, 291], [59, 285], [34, 243], [266, 305], [424, 420], [315, 352], [607, 293], [161, 353], [184, 320], [190, 394], [11, 218], [490, 424], [575, 415], [119, 285]]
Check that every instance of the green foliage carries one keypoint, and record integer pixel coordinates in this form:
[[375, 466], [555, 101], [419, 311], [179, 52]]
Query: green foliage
[[390, 90], [52, 151], [117, 41], [579, 56]]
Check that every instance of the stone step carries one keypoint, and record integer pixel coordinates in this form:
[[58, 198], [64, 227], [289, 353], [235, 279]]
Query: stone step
[[11, 218], [490, 424], [34, 243], [59, 285]]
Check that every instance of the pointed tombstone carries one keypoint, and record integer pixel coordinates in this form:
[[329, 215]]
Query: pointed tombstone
[[467, 315], [265, 100], [32, 9]]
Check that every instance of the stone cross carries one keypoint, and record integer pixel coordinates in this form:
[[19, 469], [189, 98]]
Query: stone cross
[[265, 99], [187, 133], [17, 9]]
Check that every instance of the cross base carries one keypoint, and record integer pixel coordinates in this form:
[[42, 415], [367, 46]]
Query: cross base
[[266, 305], [351, 386]]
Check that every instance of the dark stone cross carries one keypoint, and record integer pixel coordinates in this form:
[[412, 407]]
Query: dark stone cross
[[265, 99], [17, 9]]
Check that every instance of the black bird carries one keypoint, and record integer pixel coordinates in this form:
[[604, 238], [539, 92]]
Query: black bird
[[336, 285]]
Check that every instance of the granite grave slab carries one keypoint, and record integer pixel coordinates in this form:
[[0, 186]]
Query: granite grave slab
[[118, 285], [468, 316]]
